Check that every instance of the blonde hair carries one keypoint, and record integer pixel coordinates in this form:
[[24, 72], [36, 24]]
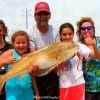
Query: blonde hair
[[79, 24]]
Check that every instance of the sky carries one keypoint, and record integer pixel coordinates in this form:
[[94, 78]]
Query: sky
[[19, 14]]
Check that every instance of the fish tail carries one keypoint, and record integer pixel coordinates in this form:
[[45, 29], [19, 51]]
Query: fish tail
[[2, 81]]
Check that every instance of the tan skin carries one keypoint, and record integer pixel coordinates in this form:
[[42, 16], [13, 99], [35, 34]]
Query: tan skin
[[6, 58], [67, 35]]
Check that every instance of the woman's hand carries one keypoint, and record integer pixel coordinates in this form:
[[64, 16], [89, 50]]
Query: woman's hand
[[10, 59], [7, 58], [90, 41]]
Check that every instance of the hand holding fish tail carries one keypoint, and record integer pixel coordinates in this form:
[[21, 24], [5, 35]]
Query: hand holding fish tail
[[10, 59], [7, 58]]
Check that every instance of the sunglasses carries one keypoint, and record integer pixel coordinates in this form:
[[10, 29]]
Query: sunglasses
[[43, 13], [87, 27]]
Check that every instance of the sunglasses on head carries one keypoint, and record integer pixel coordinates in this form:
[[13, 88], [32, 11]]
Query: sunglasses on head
[[43, 13], [87, 27]]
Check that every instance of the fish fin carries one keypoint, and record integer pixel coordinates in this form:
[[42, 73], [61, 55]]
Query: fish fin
[[2, 81]]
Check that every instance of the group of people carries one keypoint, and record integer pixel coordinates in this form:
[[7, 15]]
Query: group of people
[[78, 78]]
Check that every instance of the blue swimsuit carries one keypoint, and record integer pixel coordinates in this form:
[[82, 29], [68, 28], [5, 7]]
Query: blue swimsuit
[[19, 89]]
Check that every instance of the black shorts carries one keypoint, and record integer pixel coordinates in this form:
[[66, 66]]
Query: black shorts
[[48, 86]]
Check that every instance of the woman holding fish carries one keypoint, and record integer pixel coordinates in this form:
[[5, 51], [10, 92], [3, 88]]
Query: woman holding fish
[[72, 83], [19, 87]]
